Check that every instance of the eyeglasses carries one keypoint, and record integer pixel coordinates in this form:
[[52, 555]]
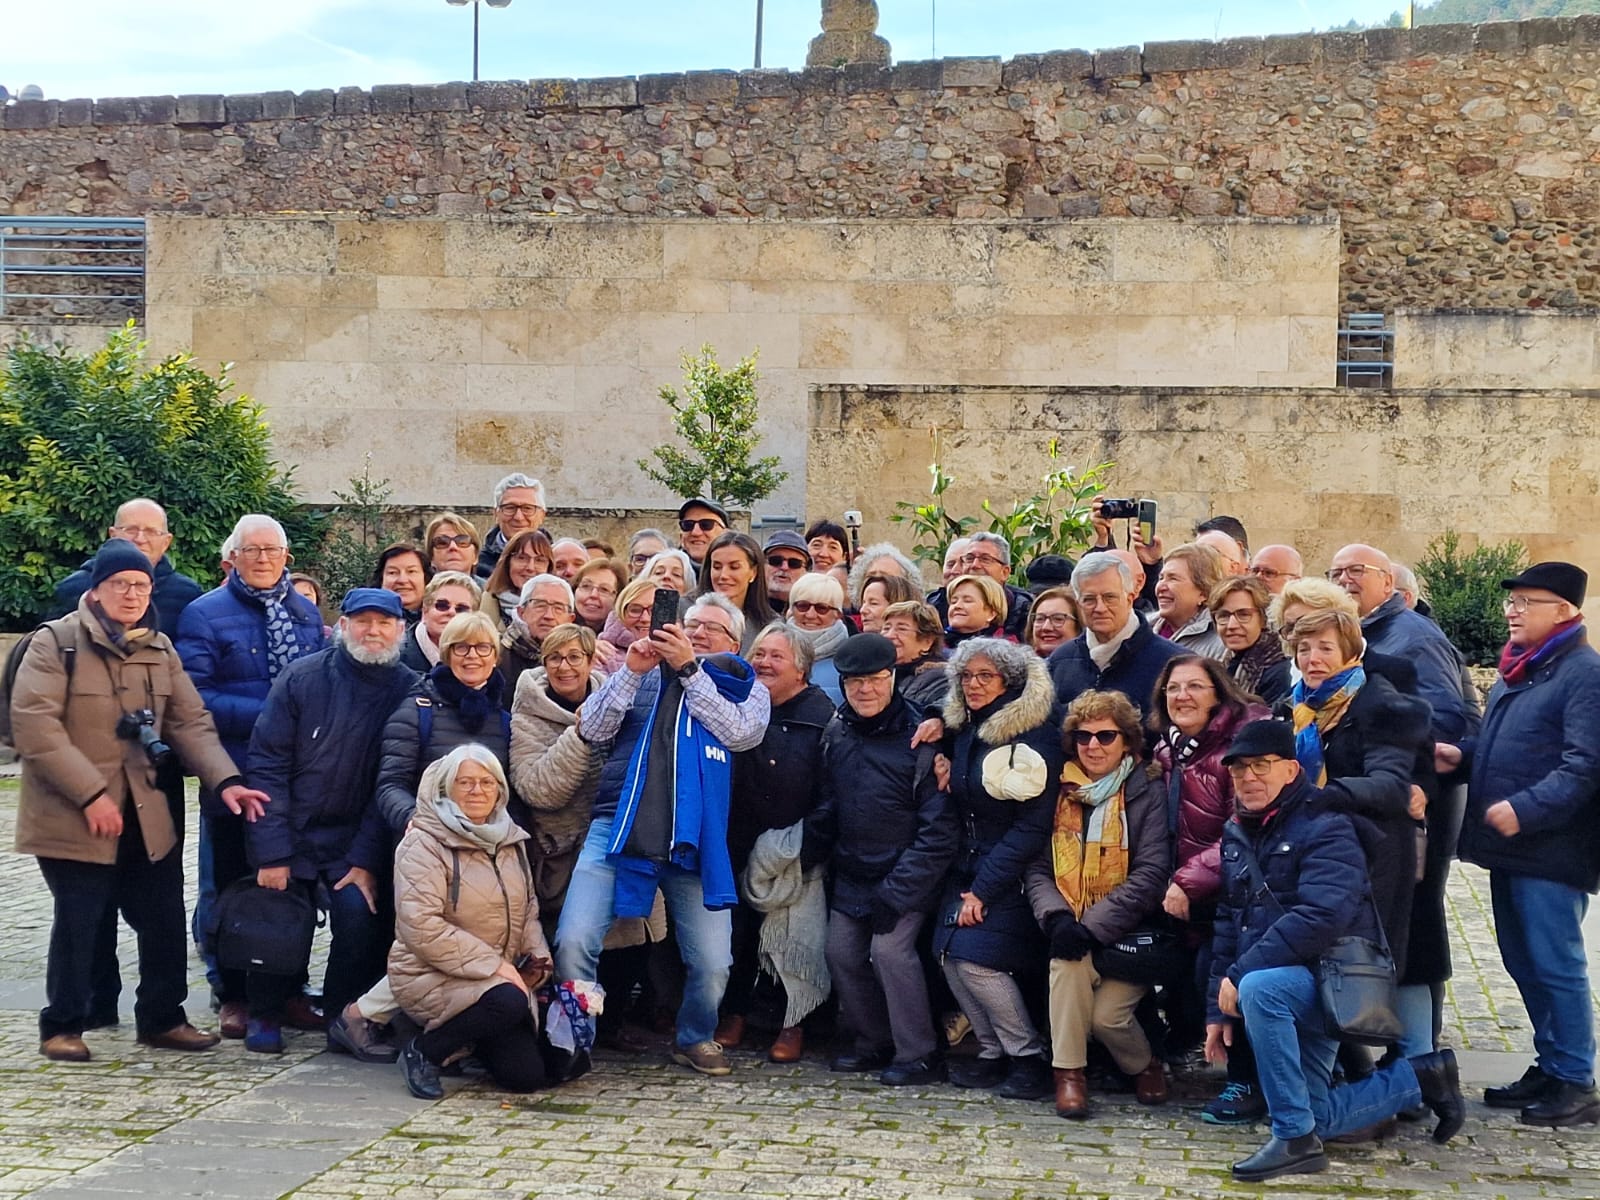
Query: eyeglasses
[[694, 626], [779, 560], [532, 556], [443, 541], [477, 786], [807, 606], [444, 606], [127, 587], [1106, 601], [590, 586], [1082, 737], [981, 560], [979, 678], [257, 552], [567, 660], [1052, 620], [1519, 604], [1354, 571], [1259, 767], [473, 649], [547, 605], [521, 510], [1188, 689], [860, 681], [634, 611], [639, 560], [1269, 573], [703, 524], [138, 533], [1235, 616]]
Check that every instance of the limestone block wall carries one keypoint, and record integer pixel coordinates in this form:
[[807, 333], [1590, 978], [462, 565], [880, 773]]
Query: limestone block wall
[[1317, 468], [1460, 158], [1502, 348], [457, 350]]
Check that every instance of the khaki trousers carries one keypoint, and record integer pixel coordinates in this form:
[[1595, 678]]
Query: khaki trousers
[[1082, 1004]]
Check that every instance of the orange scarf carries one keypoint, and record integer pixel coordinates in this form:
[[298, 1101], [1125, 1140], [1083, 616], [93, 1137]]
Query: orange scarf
[[1089, 842]]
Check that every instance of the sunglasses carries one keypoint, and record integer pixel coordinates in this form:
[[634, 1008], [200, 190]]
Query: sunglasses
[[806, 606], [444, 606], [778, 560], [442, 540], [1082, 737], [703, 524]]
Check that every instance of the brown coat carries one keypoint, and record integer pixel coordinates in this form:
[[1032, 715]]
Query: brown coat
[[69, 748], [446, 951]]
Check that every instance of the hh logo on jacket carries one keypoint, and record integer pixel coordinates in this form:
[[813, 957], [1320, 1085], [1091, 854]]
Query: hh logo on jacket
[[717, 754]]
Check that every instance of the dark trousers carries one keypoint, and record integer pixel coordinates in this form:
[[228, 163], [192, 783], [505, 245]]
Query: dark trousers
[[150, 897], [878, 980], [357, 954], [500, 1026]]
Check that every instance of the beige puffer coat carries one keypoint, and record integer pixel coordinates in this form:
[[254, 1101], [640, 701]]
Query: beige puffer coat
[[65, 735], [459, 913]]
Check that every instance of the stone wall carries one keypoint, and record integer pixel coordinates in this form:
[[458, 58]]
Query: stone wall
[[1316, 468], [1501, 349], [1460, 159], [457, 350]]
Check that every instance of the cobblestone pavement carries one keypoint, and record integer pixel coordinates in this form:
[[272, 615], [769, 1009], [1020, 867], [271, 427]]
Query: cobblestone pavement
[[137, 1123]]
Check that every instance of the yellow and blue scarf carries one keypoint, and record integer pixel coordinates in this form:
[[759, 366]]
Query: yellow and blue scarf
[[1316, 712]]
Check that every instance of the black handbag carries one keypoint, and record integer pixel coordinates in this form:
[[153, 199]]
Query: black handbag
[[1153, 954], [260, 929], [1356, 985]]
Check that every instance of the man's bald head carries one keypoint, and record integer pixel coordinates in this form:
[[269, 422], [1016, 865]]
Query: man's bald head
[[1131, 560], [1232, 553], [144, 523], [1365, 573]]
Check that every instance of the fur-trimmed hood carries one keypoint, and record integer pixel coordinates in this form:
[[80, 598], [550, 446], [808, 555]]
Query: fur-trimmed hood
[[1016, 662]]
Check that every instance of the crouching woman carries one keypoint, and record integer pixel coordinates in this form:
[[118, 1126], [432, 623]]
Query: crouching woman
[[1294, 881], [468, 945]]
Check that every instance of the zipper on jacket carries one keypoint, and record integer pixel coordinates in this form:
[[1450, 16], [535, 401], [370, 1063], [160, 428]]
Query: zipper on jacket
[[505, 896]]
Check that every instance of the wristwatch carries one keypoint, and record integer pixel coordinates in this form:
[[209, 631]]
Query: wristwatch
[[688, 670]]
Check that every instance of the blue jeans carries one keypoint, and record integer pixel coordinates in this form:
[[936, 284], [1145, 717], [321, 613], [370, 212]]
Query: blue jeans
[[705, 938], [1294, 1057], [1539, 925]]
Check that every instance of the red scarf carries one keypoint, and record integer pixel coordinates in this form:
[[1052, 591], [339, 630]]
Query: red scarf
[[1516, 663]]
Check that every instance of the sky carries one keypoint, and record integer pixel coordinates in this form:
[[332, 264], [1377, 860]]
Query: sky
[[98, 48]]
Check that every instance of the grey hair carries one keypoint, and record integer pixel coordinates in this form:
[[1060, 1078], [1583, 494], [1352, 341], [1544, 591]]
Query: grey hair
[[718, 601], [798, 644], [1002, 547], [257, 521], [1405, 579], [229, 545], [561, 541], [539, 581], [639, 535], [689, 572], [484, 757], [1092, 566], [518, 480], [858, 569], [1009, 658], [958, 546]]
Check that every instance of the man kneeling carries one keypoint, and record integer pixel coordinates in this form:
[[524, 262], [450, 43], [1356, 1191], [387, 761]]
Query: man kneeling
[[1269, 937]]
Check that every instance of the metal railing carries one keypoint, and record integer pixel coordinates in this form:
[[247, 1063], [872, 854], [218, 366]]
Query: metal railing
[[47, 260], [1366, 351]]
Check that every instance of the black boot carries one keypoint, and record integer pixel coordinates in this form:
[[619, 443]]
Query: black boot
[[1534, 1086], [1564, 1104], [979, 1072], [1441, 1091], [1296, 1156], [1028, 1079]]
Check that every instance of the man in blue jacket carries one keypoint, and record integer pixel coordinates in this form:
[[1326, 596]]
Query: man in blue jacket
[[1533, 819], [234, 642], [315, 752], [683, 700]]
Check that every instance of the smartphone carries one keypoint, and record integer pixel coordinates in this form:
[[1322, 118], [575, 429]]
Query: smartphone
[[664, 608], [1147, 521]]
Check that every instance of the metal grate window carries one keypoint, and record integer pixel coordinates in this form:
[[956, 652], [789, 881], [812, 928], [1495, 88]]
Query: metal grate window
[[54, 267], [1366, 351]]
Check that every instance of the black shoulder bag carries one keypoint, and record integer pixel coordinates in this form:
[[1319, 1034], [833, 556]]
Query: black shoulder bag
[[1355, 977]]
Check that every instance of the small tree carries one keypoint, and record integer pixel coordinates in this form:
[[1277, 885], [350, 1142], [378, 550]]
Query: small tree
[[81, 433], [356, 529], [716, 417], [1465, 594]]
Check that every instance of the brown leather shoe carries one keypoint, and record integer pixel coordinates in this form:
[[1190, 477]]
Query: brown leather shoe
[[1150, 1084], [1072, 1093], [730, 1032], [232, 1018], [788, 1045], [180, 1037], [303, 1013], [64, 1047]]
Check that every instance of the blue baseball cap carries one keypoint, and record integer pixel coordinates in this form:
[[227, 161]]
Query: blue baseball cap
[[359, 600]]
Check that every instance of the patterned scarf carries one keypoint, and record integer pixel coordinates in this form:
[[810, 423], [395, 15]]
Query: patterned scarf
[[1090, 857], [1183, 746], [1516, 664], [1248, 666], [1316, 712], [281, 643]]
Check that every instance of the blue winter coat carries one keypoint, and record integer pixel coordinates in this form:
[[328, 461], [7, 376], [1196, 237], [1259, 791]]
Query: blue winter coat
[[1314, 867], [315, 753], [1394, 629], [222, 640], [1133, 669], [1540, 749]]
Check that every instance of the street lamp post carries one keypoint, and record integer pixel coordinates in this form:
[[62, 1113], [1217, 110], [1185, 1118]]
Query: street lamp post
[[474, 3]]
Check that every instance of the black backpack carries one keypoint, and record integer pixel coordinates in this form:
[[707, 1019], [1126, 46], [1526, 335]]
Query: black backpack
[[259, 929], [14, 663]]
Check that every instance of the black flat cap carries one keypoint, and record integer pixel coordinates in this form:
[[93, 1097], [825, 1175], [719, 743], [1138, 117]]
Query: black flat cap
[[1565, 580], [864, 654], [1261, 738]]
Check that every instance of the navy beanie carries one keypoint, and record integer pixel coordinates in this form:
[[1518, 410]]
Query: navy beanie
[[115, 557]]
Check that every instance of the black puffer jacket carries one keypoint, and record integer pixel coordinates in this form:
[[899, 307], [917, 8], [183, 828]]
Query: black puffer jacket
[[883, 823], [1000, 837], [780, 781]]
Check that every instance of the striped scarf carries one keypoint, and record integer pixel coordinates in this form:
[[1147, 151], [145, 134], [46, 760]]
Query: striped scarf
[[1089, 843], [1317, 711]]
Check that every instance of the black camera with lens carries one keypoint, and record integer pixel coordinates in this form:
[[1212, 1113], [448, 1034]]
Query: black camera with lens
[[1119, 510], [140, 726]]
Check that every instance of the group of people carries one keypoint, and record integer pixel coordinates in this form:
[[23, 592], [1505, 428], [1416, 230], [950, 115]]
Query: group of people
[[1101, 816]]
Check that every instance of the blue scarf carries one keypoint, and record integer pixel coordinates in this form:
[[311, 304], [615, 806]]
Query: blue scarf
[[1321, 709], [282, 645]]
